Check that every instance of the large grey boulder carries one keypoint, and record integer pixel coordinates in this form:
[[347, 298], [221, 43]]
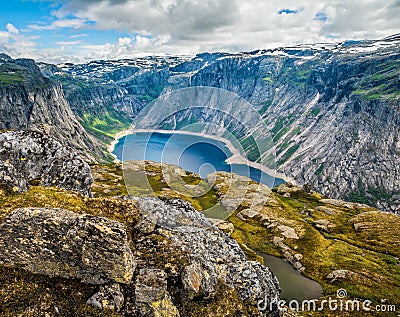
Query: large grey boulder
[[58, 242], [214, 256], [31, 157]]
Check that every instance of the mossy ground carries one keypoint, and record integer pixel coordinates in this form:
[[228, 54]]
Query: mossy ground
[[25, 294], [372, 253]]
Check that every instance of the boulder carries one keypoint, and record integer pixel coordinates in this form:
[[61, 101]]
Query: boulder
[[235, 190], [288, 188], [298, 257], [323, 225], [337, 275], [248, 213], [31, 157], [58, 242], [326, 210], [359, 226], [226, 227], [288, 232], [215, 257]]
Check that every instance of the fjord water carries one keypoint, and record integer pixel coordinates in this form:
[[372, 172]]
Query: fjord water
[[294, 285], [193, 153]]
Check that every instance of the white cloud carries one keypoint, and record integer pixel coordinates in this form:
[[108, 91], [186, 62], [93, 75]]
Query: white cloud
[[238, 25], [68, 42], [12, 29], [14, 43], [61, 23], [192, 26], [75, 36]]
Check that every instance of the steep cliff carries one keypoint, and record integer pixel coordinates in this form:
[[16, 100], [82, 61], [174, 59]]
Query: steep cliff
[[28, 100]]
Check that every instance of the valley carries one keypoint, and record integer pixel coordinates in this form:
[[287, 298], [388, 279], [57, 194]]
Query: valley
[[331, 110], [329, 117]]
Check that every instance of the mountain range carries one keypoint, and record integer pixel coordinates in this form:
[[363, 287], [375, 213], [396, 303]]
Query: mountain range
[[332, 110]]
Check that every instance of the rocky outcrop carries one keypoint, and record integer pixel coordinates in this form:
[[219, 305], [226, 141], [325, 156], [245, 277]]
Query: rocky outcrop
[[235, 190], [180, 260], [28, 100], [58, 242], [214, 256], [29, 157]]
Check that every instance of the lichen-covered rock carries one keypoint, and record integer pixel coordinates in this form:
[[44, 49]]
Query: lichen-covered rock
[[152, 297], [214, 255], [108, 297], [10, 179], [338, 275], [226, 227], [30, 157], [147, 223], [58, 242], [235, 190]]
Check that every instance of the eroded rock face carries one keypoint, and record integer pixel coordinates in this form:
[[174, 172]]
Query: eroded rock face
[[58, 242], [31, 157], [214, 255]]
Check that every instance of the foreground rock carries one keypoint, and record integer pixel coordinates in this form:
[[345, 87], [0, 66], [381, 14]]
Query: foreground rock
[[214, 256], [57, 242], [29, 157]]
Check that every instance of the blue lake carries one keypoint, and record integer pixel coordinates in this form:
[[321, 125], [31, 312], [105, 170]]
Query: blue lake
[[193, 153]]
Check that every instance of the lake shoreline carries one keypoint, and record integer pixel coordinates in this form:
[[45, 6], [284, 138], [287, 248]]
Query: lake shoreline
[[117, 137], [235, 158]]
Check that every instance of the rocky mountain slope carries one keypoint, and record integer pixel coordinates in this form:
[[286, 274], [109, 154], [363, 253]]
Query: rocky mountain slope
[[339, 244], [28, 100], [66, 254], [332, 110]]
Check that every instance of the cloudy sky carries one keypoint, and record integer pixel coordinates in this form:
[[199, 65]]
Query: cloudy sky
[[80, 30]]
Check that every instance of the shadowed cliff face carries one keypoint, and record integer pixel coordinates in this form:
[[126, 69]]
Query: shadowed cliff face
[[28, 100], [332, 110]]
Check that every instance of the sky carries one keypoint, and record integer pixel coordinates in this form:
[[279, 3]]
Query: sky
[[57, 31]]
